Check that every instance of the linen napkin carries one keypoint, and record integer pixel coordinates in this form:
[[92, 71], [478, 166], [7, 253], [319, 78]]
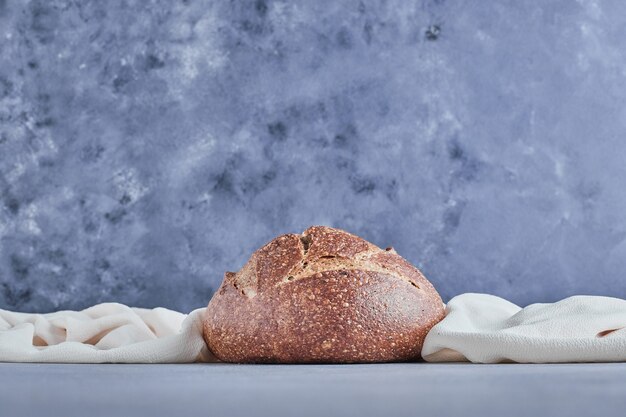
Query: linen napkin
[[479, 328], [108, 332], [488, 329]]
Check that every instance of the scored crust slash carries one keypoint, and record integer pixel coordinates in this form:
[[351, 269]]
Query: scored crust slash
[[325, 296]]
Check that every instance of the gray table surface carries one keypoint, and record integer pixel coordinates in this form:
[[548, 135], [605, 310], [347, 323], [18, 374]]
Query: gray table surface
[[312, 390]]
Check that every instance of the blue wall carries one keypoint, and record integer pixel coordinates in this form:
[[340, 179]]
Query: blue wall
[[147, 147]]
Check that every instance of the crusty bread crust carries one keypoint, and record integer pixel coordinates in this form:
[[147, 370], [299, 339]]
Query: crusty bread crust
[[325, 296]]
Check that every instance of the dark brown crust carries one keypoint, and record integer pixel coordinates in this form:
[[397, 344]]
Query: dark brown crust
[[325, 296]]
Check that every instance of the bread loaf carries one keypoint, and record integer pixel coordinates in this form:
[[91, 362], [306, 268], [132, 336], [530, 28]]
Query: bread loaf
[[325, 296]]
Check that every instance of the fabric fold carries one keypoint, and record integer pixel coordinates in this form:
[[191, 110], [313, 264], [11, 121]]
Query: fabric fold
[[484, 328], [105, 333]]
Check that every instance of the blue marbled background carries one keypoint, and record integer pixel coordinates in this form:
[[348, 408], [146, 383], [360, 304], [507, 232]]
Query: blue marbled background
[[147, 146]]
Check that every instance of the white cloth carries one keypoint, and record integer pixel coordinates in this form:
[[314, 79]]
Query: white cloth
[[488, 329], [107, 332], [477, 327]]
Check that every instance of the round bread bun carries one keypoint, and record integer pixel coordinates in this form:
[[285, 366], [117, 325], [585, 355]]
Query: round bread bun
[[325, 296]]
